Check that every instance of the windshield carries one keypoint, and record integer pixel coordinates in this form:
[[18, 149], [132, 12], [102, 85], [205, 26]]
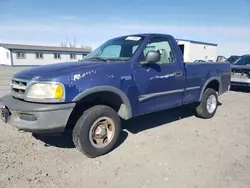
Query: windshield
[[232, 59], [244, 60], [119, 49]]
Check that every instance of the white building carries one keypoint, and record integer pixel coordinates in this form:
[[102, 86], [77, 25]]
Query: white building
[[29, 55], [195, 50]]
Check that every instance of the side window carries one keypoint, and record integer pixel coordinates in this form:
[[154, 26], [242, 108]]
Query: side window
[[246, 60], [111, 51], [161, 45], [72, 56], [20, 55], [57, 56], [39, 55]]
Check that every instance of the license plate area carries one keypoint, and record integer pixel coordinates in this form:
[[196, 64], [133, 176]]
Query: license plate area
[[4, 114]]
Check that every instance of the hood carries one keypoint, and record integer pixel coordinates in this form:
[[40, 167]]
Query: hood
[[58, 69], [240, 68]]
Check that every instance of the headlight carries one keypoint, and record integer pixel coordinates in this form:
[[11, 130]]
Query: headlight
[[45, 91]]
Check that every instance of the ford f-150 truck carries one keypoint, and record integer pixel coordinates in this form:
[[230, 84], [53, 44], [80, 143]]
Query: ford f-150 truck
[[125, 77]]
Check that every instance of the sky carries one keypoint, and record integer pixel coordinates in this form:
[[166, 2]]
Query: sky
[[91, 22]]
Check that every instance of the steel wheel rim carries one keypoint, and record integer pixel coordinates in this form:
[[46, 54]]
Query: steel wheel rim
[[102, 132], [211, 104]]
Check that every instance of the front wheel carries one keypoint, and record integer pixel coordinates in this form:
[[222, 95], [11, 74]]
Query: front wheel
[[208, 105], [97, 131]]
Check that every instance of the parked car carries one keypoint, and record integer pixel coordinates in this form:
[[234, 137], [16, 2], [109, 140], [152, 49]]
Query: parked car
[[125, 77], [241, 71]]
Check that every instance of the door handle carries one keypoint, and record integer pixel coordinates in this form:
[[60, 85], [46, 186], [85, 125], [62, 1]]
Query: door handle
[[178, 73]]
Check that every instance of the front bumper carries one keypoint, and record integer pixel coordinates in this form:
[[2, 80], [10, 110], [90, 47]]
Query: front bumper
[[240, 82], [36, 117]]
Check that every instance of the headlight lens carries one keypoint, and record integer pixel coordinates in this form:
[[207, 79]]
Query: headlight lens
[[45, 91]]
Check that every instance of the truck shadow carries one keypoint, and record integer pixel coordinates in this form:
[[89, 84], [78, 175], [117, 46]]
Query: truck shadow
[[135, 125], [64, 140], [60, 140], [149, 121]]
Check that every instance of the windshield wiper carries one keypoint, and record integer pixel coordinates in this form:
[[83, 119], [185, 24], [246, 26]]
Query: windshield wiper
[[98, 58]]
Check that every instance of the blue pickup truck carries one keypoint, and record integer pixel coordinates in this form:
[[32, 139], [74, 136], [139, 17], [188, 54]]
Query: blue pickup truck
[[125, 77]]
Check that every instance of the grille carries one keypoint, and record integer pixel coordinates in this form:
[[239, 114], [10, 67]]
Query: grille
[[18, 88]]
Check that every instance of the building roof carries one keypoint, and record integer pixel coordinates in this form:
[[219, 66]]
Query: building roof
[[197, 42], [45, 48]]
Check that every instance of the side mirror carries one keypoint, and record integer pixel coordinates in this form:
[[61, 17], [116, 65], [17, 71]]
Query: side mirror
[[153, 56]]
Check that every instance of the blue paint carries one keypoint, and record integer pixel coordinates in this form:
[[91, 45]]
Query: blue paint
[[157, 83]]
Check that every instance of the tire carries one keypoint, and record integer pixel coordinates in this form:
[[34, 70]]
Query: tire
[[86, 127], [202, 110]]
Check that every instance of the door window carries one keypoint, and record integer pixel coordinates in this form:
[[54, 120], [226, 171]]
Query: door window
[[161, 45]]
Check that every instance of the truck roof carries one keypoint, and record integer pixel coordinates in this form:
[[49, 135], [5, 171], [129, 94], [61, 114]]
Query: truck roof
[[148, 34], [144, 35], [163, 34]]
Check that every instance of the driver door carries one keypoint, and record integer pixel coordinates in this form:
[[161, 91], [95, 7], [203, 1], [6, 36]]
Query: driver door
[[161, 84]]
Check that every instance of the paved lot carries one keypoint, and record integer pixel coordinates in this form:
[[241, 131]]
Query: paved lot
[[167, 149]]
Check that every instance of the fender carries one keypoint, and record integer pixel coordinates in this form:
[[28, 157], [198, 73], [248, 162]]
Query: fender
[[125, 110], [207, 82]]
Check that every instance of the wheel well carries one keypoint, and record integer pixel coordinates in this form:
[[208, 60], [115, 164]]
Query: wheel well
[[100, 98], [214, 84], [105, 98]]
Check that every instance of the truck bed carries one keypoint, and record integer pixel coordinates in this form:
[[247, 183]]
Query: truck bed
[[199, 73]]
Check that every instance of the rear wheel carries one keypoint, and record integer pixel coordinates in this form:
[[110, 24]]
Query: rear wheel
[[97, 131], [208, 105]]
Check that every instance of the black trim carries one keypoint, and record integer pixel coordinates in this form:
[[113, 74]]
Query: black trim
[[206, 84], [117, 91], [143, 98]]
